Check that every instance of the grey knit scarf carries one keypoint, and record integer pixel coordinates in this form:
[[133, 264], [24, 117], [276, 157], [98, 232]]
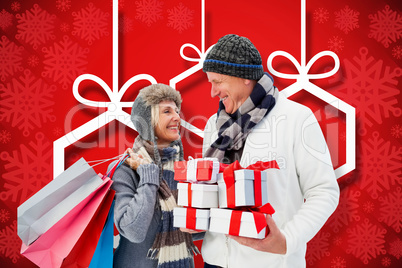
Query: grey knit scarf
[[233, 129], [171, 247]]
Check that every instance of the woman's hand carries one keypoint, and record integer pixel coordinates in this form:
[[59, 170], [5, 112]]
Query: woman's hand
[[135, 160]]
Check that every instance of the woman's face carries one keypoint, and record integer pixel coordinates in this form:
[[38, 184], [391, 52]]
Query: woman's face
[[167, 128]]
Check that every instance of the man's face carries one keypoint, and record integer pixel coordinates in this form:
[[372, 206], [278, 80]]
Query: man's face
[[232, 91]]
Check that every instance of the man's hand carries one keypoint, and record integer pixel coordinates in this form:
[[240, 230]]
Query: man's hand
[[275, 242], [135, 160]]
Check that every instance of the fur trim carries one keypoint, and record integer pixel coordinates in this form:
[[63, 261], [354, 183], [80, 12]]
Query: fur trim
[[156, 93]]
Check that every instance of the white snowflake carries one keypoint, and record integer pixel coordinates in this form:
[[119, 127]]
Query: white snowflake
[[180, 18], [149, 11]]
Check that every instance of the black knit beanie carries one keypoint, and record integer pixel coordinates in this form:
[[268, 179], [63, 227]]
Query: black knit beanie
[[235, 56]]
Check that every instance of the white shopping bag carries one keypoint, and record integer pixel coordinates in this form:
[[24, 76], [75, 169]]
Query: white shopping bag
[[40, 212]]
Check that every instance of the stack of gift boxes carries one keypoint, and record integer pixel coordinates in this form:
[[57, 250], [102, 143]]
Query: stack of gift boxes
[[222, 198]]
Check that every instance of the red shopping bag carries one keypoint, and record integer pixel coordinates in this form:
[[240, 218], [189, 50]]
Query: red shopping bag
[[84, 249], [50, 249]]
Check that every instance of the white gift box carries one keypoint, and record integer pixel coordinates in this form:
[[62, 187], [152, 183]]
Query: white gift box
[[221, 221], [191, 218], [244, 191], [202, 195]]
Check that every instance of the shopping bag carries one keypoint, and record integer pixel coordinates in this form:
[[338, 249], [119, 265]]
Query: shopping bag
[[40, 212], [103, 256], [49, 250], [84, 249]]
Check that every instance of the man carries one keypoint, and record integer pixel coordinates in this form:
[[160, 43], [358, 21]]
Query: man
[[255, 122]]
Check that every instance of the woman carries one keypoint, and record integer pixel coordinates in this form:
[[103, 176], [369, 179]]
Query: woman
[[145, 189]]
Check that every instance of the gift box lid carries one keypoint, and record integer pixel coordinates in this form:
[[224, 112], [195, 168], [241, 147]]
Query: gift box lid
[[226, 214], [243, 174], [209, 163], [198, 187], [182, 212]]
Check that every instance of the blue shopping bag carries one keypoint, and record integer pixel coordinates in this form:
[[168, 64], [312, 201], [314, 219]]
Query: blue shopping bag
[[103, 256]]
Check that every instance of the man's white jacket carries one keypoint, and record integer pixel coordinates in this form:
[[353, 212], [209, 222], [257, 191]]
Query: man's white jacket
[[304, 194]]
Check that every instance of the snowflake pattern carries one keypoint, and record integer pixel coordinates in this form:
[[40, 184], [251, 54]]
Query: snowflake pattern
[[26, 102], [396, 131], [10, 55], [64, 27], [396, 248], [33, 61], [385, 26], [318, 247], [338, 262], [337, 240], [180, 18], [15, 6], [148, 11], [321, 15], [5, 136], [26, 170], [368, 207], [64, 61], [35, 26], [371, 88], [63, 5], [397, 52], [347, 210], [6, 19], [10, 243], [125, 25], [380, 165], [336, 44], [391, 209], [386, 262], [90, 23], [346, 19], [366, 241], [4, 215]]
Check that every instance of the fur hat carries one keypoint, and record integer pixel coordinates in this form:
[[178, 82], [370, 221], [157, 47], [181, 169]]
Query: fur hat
[[141, 115], [235, 56]]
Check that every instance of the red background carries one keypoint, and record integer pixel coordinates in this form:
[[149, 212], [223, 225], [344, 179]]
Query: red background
[[45, 45]]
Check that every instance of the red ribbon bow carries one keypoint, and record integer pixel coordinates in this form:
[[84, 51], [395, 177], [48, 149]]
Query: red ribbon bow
[[259, 218], [229, 178]]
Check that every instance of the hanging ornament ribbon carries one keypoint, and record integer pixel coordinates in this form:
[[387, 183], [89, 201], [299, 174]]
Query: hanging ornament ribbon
[[303, 76]]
